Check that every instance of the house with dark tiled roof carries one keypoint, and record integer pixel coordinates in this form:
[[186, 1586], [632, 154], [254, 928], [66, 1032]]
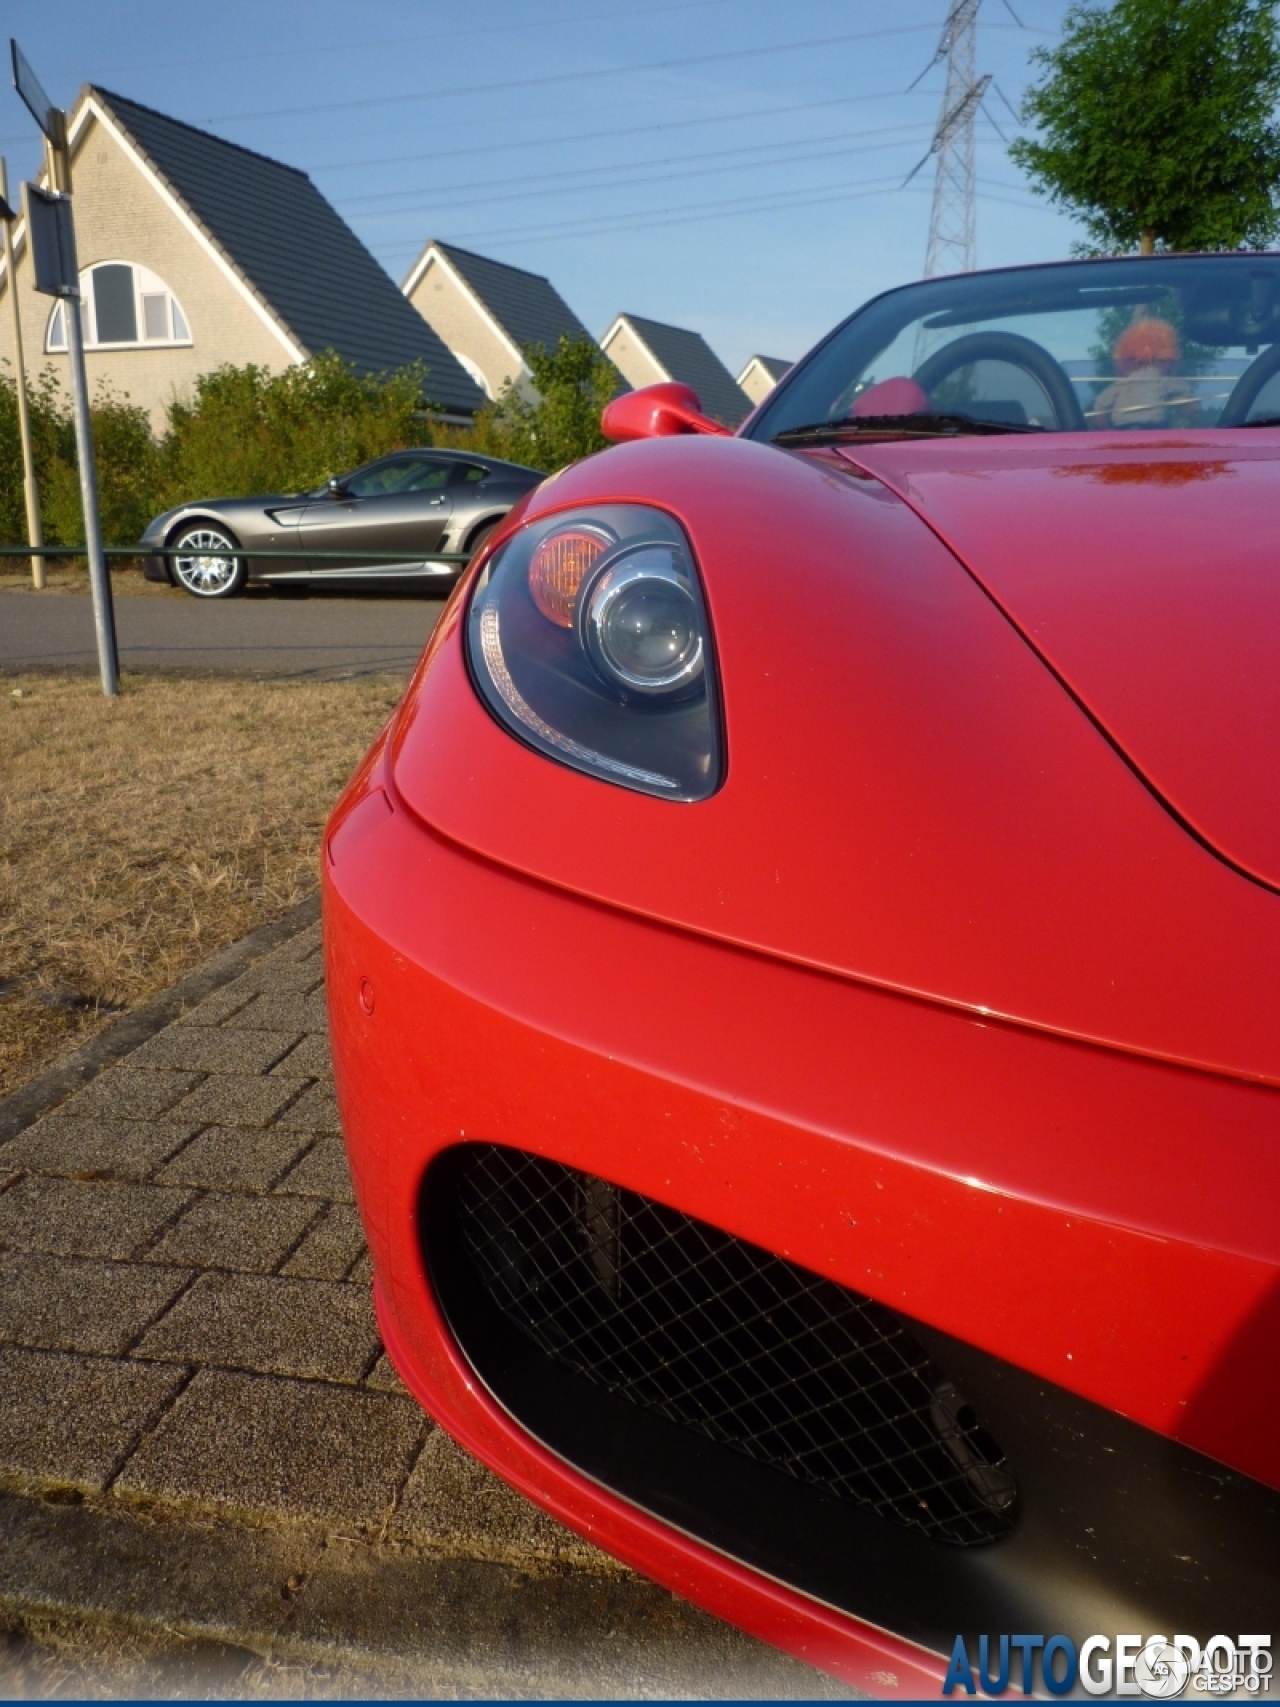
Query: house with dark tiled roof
[[488, 313], [195, 252], [760, 376], [646, 353]]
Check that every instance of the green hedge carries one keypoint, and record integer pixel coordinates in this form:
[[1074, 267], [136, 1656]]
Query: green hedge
[[245, 430]]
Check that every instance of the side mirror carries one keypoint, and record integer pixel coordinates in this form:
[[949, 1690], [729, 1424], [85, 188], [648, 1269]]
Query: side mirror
[[655, 412], [337, 486]]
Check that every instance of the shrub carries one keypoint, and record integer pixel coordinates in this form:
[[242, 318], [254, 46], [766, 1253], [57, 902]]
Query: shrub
[[560, 425], [574, 382], [127, 460], [126, 454], [51, 440], [248, 430]]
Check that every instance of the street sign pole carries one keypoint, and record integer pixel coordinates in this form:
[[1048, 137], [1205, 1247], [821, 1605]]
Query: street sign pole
[[51, 241], [31, 491], [104, 616]]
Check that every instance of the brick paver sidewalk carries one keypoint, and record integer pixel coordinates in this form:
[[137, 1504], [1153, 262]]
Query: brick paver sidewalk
[[186, 1333], [179, 1245]]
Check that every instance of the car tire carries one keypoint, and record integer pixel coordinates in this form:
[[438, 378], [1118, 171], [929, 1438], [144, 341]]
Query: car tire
[[479, 539], [208, 567]]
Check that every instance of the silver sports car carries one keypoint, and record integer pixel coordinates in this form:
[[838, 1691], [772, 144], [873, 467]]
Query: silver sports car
[[428, 502]]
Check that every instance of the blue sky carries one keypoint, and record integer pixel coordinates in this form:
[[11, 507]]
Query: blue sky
[[729, 165]]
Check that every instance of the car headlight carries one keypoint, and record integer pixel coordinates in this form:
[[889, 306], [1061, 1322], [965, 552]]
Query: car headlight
[[588, 639]]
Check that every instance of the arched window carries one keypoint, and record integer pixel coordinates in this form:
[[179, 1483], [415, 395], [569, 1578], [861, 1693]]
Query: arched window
[[122, 307], [473, 369]]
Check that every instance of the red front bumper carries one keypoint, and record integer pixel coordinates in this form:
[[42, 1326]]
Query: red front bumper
[[984, 1179]]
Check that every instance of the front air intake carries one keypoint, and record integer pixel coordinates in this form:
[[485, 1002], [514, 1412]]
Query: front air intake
[[727, 1340]]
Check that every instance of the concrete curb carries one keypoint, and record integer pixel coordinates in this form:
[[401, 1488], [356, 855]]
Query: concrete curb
[[469, 1603], [385, 1621], [56, 1083]]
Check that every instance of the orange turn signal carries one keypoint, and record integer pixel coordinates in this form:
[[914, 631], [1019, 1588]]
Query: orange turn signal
[[557, 570]]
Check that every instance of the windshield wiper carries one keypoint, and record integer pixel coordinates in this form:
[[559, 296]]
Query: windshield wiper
[[1262, 421], [922, 426]]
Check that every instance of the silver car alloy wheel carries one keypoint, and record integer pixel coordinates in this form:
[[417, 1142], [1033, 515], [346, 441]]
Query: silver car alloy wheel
[[208, 565]]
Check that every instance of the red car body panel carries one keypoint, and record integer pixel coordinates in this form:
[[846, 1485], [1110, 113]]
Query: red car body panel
[[931, 813], [934, 975], [442, 1381], [1098, 550], [808, 1120]]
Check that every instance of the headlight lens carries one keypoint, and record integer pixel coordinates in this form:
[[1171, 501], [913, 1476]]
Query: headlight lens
[[640, 623], [588, 638]]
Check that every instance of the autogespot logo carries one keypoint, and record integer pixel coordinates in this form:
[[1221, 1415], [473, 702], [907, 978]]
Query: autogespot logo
[[1155, 1666]]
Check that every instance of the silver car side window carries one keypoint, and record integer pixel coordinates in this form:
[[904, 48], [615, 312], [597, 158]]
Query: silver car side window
[[398, 474]]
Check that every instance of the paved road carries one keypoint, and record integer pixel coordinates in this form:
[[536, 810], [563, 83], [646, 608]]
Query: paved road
[[263, 633], [200, 1434]]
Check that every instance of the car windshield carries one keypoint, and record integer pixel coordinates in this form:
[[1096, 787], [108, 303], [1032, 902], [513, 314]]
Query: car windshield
[[1142, 343]]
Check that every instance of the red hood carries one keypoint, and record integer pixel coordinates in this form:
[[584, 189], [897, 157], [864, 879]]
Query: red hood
[[1147, 574], [911, 799]]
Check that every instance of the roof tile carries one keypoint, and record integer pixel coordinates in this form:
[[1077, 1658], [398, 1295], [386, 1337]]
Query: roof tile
[[527, 306], [688, 358], [294, 249]]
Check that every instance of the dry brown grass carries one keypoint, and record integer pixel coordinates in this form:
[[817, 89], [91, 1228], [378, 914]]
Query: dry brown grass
[[139, 837], [69, 574]]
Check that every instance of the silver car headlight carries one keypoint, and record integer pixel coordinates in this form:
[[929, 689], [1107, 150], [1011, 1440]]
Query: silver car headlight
[[588, 639]]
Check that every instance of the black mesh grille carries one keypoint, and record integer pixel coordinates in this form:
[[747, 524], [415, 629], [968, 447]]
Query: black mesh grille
[[723, 1337]]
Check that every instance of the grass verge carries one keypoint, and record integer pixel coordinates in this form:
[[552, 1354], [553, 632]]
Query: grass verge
[[71, 575], [139, 837]]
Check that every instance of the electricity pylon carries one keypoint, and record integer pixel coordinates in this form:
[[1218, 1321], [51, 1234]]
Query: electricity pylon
[[952, 224]]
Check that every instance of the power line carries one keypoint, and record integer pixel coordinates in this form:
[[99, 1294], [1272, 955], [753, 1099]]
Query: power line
[[986, 192], [523, 144], [382, 217], [358, 135], [594, 74], [867, 189], [883, 139], [711, 211], [647, 219], [316, 50], [754, 113]]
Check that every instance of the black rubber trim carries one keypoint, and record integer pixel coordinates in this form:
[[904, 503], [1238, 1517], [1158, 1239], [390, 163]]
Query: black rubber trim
[[1119, 1528], [1017, 351]]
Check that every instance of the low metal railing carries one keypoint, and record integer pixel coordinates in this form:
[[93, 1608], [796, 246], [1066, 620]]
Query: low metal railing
[[295, 553], [103, 600]]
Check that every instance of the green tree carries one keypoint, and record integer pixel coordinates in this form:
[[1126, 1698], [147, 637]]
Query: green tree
[[574, 382], [1156, 124]]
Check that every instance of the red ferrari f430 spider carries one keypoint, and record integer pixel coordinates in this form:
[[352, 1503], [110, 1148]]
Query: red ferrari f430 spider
[[804, 968]]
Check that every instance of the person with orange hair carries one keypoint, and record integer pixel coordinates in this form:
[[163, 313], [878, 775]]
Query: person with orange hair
[[1146, 393]]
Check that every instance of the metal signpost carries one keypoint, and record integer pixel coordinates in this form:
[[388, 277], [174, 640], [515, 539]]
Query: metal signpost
[[51, 241], [31, 492]]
